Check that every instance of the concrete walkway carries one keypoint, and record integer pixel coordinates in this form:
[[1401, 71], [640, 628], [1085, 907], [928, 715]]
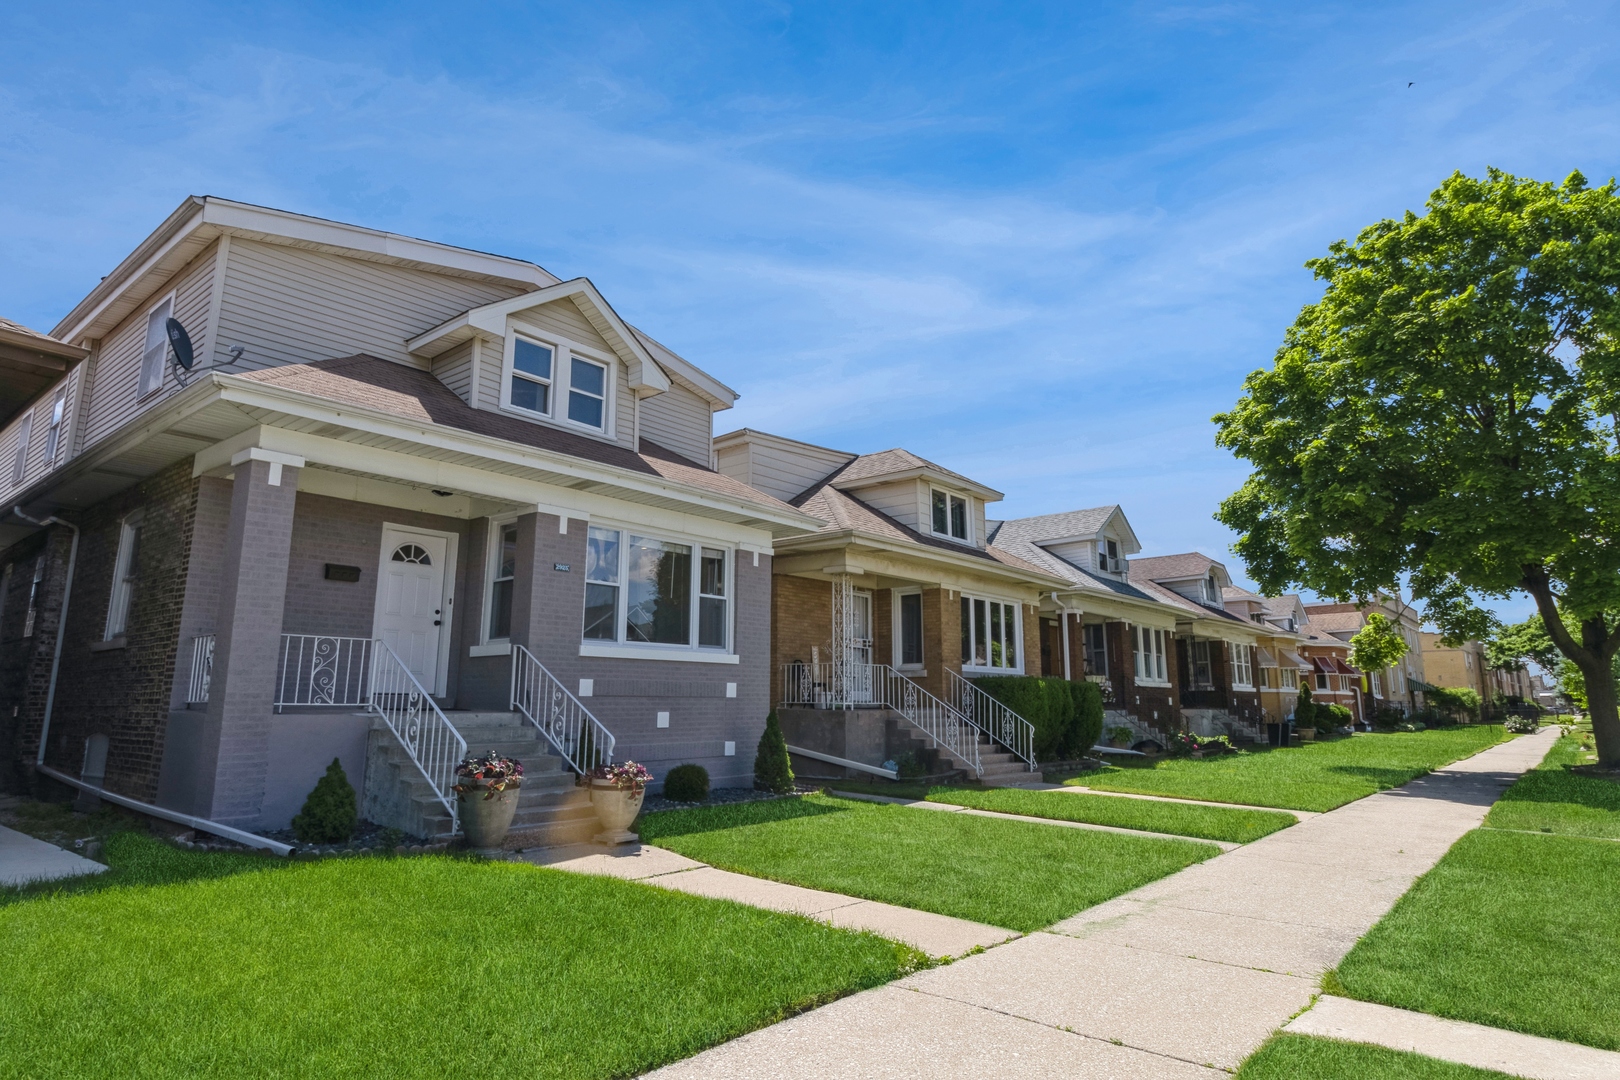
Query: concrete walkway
[[1075, 789], [939, 936], [24, 859], [1181, 978], [918, 804], [1511, 1052]]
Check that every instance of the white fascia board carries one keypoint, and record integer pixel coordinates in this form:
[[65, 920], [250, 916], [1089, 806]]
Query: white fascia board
[[179, 228], [765, 438], [854, 538], [491, 319], [1132, 545], [923, 472], [275, 399], [1148, 613], [719, 394]]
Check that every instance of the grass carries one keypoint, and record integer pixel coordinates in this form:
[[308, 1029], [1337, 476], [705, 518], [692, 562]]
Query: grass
[[1555, 799], [1512, 930], [1204, 822], [1303, 1057], [1318, 776], [1013, 874], [186, 964]]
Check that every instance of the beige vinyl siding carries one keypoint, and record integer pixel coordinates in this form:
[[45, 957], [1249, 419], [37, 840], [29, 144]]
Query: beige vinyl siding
[[491, 370], [779, 471], [454, 369], [118, 367], [563, 319], [679, 420], [287, 305], [1081, 553], [904, 500], [978, 520], [39, 416]]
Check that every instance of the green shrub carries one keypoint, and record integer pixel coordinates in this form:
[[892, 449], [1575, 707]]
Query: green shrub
[[772, 770], [1462, 702], [1305, 709], [328, 816], [687, 783], [1340, 714], [1067, 716]]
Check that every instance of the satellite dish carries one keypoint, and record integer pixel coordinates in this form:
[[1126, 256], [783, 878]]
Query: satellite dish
[[181, 342]]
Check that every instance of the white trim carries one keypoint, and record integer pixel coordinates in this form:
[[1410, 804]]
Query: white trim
[[122, 593], [656, 652], [817, 755], [896, 632], [495, 649], [967, 515], [560, 385], [447, 598], [1017, 639], [486, 608], [621, 613]]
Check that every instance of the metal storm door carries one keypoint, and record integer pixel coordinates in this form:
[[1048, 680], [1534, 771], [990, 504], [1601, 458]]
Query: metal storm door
[[410, 615]]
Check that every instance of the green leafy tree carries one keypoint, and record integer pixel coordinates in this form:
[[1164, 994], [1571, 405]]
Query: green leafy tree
[[772, 769], [1448, 413], [328, 815], [1377, 645]]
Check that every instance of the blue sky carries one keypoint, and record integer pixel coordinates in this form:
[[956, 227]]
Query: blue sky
[[1039, 244]]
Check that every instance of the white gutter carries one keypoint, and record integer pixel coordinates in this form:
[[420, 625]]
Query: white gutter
[[275, 847], [61, 624], [887, 774]]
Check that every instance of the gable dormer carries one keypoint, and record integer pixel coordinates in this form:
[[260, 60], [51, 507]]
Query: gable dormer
[[921, 495], [1100, 545]]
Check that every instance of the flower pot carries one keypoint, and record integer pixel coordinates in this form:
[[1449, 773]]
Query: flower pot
[[1306, 734], [615, 808], [486, 815], [1120, 744]]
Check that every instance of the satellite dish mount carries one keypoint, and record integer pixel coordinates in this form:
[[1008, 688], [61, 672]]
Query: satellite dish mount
[[184, 357]]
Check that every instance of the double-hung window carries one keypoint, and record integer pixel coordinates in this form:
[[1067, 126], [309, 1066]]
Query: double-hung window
[[53, 434], [33, 597], [1290, 678], [157, 347], [1242, 666], [1108, 556], [19, 465], [1096, 637], [587, 393], [1149, 654], [503, 569], [126, 571], [991, 632], [911, 629], [530, 388], [1202, 676], [644, 590], [950, 515]]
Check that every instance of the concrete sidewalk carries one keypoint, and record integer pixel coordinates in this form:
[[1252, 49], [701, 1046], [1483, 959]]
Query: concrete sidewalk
[[1183, 977], [24, 859], [939, 936]]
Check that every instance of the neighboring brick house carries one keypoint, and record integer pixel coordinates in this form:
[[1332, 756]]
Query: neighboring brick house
[[1399, 686], [1296, 654], [1466, 666], [440, 485]]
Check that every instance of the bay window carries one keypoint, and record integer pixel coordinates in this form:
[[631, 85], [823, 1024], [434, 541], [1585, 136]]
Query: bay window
[[644, 590], [991, 632], [1149, 654]]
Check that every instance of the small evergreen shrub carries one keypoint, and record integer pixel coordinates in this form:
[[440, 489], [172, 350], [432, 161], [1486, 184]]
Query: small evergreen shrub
[[687, 783], [772, 770], [329, 814], [1305, 709]]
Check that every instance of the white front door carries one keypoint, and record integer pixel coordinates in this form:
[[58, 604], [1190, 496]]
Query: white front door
[[410, 601]]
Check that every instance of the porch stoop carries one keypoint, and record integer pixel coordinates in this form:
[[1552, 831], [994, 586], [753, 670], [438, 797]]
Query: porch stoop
[[551, 809], [1000, 767]]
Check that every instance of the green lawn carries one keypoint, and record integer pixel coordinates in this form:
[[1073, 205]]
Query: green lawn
[[1317, 776], [1510, 929], [188, 964], [1554, 799], [1014, 874], [1302, 1057], [1204, 822]]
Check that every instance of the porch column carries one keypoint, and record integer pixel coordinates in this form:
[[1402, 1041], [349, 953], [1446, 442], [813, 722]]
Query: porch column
[[942, 638], [247, 641]]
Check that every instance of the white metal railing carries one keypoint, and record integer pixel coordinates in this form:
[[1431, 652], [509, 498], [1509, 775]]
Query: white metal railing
[[432, 742], [567, 725], [202, 669], [812, 684], [993, 718], [319, 669]]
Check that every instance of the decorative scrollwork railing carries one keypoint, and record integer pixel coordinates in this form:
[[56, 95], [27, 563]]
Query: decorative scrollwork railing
[[202, 669], [433, 743], [318, 669], [567, 725], [993, 718]]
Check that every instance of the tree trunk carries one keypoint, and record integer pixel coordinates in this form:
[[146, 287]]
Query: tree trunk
[[1593, 654], [1601, 705]]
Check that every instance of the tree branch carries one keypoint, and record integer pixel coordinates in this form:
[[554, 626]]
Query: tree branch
[[1537, 585]]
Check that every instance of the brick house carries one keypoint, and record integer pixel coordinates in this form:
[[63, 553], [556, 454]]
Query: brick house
[[410, 501], [1399, 686]]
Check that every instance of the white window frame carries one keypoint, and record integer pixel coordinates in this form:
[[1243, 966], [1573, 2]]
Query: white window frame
[[896, 622], [1290, 678], [620, 646], [142, 390], [1017, 639], [563, 354], [25, 432], [1149, 649], [1110, 564], [1086, 652], [1242, 667], [492, 565], [123, 582], [56, 427], [33, 596], [967, 515]]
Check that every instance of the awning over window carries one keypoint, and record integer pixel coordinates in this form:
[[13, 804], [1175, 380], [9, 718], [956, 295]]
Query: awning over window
[[1344, 668], [1266, 659], [1290, 659], [1324, 665]]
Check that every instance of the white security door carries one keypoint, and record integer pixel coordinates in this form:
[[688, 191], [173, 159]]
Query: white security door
[[861, 649], [410, 614]]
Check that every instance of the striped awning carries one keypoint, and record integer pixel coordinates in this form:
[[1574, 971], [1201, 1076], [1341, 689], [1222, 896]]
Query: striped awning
[[1266, 659]]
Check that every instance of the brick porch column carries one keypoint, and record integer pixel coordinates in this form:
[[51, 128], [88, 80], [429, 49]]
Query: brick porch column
[[942, 639], [247, 641]]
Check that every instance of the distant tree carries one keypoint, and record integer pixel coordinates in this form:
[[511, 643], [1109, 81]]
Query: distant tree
[[1377, 645], [1449, 413]]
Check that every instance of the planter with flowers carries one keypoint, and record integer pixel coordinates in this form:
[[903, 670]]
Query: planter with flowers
[[487, 795], [616, 795]]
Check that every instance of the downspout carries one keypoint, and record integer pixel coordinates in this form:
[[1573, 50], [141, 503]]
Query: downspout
[[61, 623]]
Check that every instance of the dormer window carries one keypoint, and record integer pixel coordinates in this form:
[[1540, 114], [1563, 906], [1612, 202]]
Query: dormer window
[[557, 380], [1108, 556], [531, 376], [587, 392], [950, 515]]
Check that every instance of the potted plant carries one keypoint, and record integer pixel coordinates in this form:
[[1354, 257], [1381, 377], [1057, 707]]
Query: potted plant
[[487, 796], [616, 795], [1119, 737]]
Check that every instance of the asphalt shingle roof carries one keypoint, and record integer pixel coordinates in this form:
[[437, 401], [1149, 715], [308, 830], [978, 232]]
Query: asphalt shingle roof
[[1018, 537]]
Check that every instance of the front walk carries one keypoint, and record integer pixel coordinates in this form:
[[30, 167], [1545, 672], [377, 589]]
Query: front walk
[[24, 859], [1182, 977]]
